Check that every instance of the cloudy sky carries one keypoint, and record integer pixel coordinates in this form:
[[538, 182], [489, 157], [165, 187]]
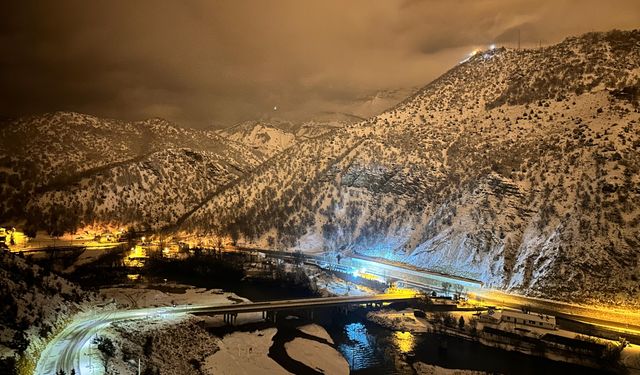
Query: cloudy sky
[[213, 63]]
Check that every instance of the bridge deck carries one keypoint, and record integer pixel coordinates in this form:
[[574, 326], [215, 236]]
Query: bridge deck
[[301, 303]]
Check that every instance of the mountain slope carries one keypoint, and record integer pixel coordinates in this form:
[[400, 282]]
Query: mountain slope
[[271, 136], [262, 136], [517, 168], [61, 170], [35, 304]]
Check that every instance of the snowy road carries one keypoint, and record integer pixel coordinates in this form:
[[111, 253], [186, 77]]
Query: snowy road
[[72, 348], [611, 319]]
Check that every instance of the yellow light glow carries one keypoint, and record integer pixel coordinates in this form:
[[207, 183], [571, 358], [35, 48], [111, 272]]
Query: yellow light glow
[[401, 291], [405, 341], [136, 254], [368, 276]]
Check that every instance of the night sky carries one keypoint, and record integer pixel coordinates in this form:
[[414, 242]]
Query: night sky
[[213, 63]]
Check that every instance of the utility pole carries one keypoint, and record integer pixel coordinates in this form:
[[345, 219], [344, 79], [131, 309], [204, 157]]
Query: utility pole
[[518, 39], [138, 365]]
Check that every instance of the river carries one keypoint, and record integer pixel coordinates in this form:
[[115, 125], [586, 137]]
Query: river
[[372, 349]]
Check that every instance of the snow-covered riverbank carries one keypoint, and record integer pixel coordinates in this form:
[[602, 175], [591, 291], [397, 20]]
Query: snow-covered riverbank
[[183, 345], [472, 329]]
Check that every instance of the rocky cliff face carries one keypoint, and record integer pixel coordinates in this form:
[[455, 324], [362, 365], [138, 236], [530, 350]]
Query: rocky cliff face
[[517, 168]]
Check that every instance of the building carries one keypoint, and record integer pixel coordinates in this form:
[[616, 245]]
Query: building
[[529, 319]]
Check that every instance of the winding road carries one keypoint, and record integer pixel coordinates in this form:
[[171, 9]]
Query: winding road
[[72, 348]]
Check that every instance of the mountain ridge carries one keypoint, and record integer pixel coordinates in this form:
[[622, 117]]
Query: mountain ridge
[[53, 161], [518, 168], [474, 175]]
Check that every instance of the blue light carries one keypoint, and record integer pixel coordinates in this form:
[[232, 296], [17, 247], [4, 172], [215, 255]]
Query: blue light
[[360, 351]]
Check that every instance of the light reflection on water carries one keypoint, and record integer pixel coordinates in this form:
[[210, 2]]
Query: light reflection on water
[[404, 341], [359, 350]]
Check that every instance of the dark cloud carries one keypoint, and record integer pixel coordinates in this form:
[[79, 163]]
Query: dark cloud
[[204, 62]]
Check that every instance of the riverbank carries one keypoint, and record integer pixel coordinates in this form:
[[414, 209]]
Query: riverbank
[[187, 346], [531, 341], [347, 335]]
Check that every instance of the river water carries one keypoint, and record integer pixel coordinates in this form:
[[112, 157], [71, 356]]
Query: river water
[[372, 349]]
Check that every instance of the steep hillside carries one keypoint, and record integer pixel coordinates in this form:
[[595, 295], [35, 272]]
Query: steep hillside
[[378, 102], [269, 136], [517, 168], [266, 138], [61, 170], [35, 303], [272, 136]]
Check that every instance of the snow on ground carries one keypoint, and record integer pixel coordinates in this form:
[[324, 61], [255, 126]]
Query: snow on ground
[[425, 369], [169, 294], [244, 353], [332, 285], [317, 355], [630, 357], [316, 330], [239, 352], [247, 353], [402, 320], [88, 256], [172, 347]]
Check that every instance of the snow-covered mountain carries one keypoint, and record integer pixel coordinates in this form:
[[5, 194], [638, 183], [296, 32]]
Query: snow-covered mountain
[[269, 136], [62, 170], [272, 135], [380, 101], [262, 136], [519, 168]]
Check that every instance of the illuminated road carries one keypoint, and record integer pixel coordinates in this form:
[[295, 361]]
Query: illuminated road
[[619, 320], [72, 348], [611, 319], [623, 321], [302, 303], [50, 245]]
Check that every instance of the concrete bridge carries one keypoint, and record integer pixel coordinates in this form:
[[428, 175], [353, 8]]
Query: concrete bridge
[[269, 309]]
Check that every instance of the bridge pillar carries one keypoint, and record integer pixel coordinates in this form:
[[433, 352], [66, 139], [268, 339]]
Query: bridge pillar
[[229, 318]]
